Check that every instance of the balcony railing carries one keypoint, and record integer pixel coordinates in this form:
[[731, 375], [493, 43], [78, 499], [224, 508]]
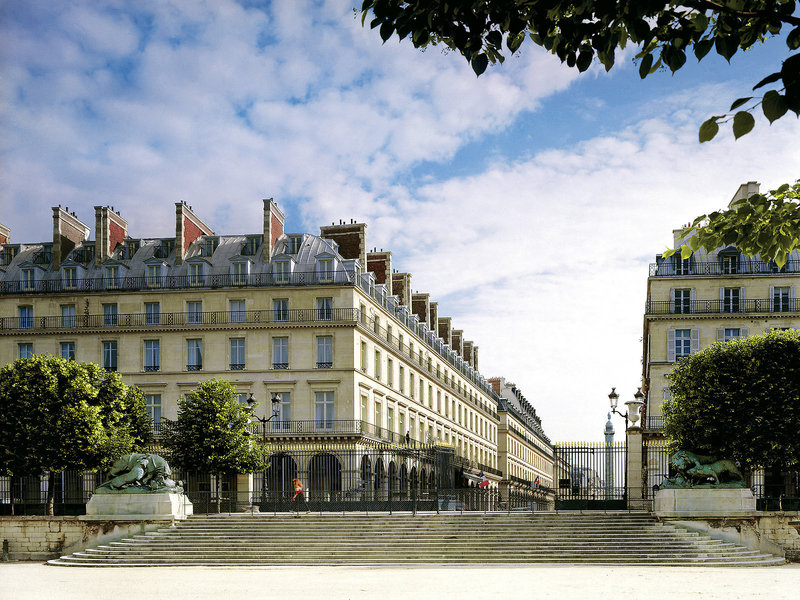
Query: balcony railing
[[669, 268], [329, 427], [174, 282], [751, 305], [654, 422], [181, 319]]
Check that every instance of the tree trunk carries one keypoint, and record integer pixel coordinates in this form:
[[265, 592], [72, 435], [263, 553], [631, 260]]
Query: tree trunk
[[51, 492]]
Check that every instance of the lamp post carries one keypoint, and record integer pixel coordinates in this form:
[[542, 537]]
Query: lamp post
[[276, 403], [634, 406], [633, 435]]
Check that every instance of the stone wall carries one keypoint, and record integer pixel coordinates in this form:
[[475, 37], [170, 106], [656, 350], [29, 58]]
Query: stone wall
[[43, 538]]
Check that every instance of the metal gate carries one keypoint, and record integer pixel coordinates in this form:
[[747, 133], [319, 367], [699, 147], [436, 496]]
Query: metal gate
[[590, 476]]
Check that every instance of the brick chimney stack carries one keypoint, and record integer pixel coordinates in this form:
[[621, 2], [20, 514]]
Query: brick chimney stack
[[420, 306], [351, 238], [433, 317], [110, 231], [380, 263], [274, 220], [467, 353], [457, 336], [401, 287], [188, 227], [68, 232], [445, 330]]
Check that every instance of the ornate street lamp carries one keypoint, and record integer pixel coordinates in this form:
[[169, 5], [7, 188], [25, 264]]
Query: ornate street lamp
[[634, 406], [276, 403]]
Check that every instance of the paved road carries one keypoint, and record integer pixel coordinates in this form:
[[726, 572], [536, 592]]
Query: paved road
[[33, 581]]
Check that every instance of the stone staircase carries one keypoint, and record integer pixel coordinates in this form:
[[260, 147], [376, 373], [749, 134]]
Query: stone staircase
[[405, 540]]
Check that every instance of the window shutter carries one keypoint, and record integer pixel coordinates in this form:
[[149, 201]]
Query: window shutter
[[693, 299], [695, 340], [722, 299], [743, 332], [741, 299], [672, 300], [671, 345], [792, 302], [772, 298], [720, 335]]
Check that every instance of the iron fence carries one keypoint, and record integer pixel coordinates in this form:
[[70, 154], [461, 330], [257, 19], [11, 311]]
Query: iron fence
[[748, 305], [28, 495], [590, 476], [672, 268]]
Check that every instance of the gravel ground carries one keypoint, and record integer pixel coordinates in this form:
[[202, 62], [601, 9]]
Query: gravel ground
[[23, 581]]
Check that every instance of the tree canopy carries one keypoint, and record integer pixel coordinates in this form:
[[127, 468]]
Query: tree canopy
[[739, 400], [211, 434], [58, 415], [765, 224]]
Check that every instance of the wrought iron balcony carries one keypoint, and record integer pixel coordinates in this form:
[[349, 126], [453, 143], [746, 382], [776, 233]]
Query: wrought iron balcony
[[654, 422], [237, 366], [750, 305], [329, 427], [672, 268], [181, 319], [194, 367], [324, 365], [151, 368]]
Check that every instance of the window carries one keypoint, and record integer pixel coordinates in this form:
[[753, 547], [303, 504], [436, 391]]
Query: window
[[682, 301], [153, 275], [284, 411], [280, 309], [389, 372], [280, 353], [152, 355], [730, 264], [152, 313], [67, 350], [324, 309], [194, 355], [237, 354], [730, 299], [194, 312], [325, 269], [781, 299], [110, 315], [68, 315], [26, 350], [377, 365], [240, 271], [152, 403], [196, 274], [324, 409], [25, 317], [70, 278], [282, 271], [378, 416], [112, 277], [376, 325], [364, 412], [681, 343], [401, 377], [421, 391], [237, 311], [110, 356], [390, 419], [324, 351], [682, 266], [730, 333], [364, 356], [410, 384], [293, 244], [28, 278], [362, 314]]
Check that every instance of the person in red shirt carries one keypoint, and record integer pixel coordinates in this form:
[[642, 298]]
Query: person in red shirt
[[299, 496]]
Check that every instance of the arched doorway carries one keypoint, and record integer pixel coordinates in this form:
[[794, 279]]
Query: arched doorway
[[366, 475], [380, 480], [277, 479], [325, 477]]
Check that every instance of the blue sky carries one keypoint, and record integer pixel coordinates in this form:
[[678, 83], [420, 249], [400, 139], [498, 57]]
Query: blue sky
[[528, 201]]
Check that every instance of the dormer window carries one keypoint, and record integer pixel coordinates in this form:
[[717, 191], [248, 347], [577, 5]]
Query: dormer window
[[325, 269], [70, 278], [240, 272], [729, 261], [293, 243], [112, 277], [28, 279], [153, 275], [208, 246], [196, 273], [251, 246], [282, 271]]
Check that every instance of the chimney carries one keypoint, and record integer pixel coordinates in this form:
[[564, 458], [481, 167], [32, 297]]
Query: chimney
[[110, 231], [457, 337], [433, 316], [351, 238], [466, 352], [496, 383], [445, 330], [420, 306], [188, 227], [401, 287], [745, 191], [380, 263], [5, 235], [273, 227], [68, 232], [475, 357]]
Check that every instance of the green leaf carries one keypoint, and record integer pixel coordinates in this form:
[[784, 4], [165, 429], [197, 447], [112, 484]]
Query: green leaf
[[768, 79], [708, 130], [737, 103], [584, 60], [773, 106], [702, 48], [645, 65], [686, 252], [743, 123], [387, 29], [479, 63], [793, 39]]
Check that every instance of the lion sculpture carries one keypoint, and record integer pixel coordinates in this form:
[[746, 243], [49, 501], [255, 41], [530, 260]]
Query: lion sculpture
[[139, 473], [696, 470]]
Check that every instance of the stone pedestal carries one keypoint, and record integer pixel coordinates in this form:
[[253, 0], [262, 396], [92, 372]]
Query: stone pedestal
[[133, 507], [705, 502]]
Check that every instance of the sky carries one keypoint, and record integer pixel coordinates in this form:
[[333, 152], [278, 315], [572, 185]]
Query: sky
[[528, 202]]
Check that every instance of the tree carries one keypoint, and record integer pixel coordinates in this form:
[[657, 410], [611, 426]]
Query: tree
[[739, 400], [211, 434], [578, 32], [58, 415], [765, 224]]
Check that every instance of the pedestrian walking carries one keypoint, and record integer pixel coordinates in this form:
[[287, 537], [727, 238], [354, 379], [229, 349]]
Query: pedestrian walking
[[299, 496]]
